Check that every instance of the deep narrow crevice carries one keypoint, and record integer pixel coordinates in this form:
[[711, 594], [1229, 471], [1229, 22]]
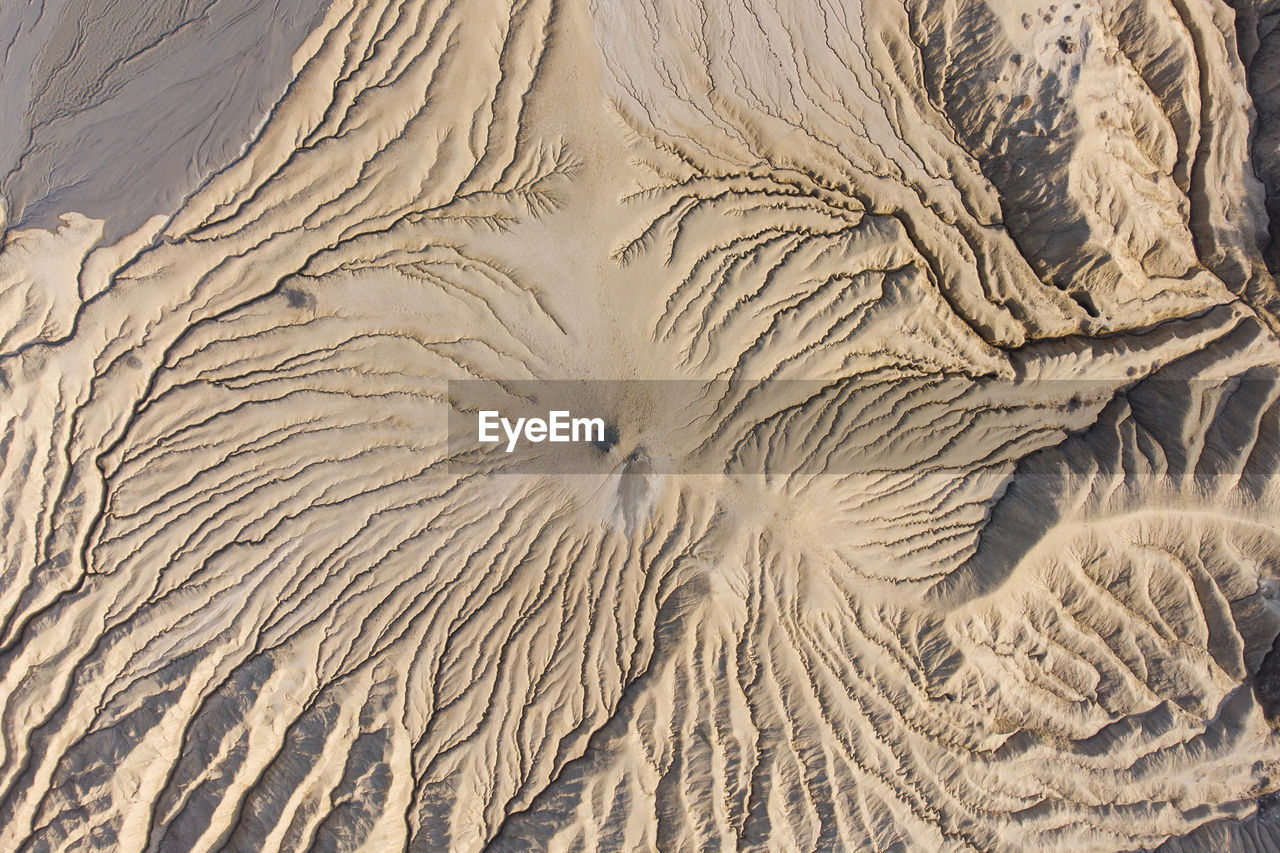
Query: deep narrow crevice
[[1266, 685], [1258, 42]]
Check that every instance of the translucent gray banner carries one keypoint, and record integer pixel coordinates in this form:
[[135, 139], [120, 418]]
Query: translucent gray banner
[[883, 424]]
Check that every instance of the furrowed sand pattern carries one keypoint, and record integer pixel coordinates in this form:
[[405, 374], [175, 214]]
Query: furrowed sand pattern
[[960, 533]]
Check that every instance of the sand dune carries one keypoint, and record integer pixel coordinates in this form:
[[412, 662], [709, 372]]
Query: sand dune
[[938, 350]]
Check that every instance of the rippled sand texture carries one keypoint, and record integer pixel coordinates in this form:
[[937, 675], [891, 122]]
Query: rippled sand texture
[[247, 603]]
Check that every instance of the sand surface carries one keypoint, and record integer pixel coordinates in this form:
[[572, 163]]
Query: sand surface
[[939, 354]]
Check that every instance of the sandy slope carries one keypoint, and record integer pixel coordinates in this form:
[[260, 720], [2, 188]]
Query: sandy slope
[[965, 538]]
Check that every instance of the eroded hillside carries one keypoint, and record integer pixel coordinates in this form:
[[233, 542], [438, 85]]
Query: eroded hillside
[[938, 351]]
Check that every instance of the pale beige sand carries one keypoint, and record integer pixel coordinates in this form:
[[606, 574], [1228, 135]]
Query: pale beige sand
[[248, 603]]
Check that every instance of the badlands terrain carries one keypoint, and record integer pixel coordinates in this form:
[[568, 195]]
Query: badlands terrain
[[938, 347]]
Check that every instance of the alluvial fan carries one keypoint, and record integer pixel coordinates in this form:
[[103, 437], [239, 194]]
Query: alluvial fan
[[927, 362]]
